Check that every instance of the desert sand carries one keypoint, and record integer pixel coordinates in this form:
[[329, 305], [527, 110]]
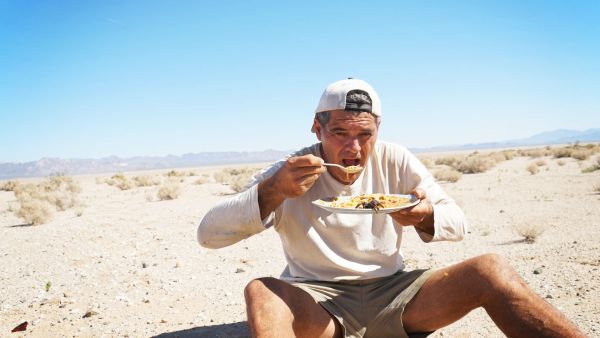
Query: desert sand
[[133, 265]]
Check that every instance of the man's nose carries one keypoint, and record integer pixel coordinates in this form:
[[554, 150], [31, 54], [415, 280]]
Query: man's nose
[[354, 145]]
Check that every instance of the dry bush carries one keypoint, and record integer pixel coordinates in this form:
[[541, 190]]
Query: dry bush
[[170, 190], [36, 201], [501, 156], [560, 162], [581, 154], [449, 160], [590, 169], [597, 188], [146, 180], [237, 178], [474, 165], [120, 181], [202, 180], [575, 151], [533, 169], [449, 175], [35, 211], [561, 152], [509, 154], [540, 163], [535, 152], [175, 173], [427, 162], [529, 231], [9, 186]]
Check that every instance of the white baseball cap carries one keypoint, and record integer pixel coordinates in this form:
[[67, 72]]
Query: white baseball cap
[[342, 95]]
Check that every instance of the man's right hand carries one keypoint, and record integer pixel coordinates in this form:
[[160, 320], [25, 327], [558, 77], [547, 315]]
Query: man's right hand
[[293, 179], [298, 175]]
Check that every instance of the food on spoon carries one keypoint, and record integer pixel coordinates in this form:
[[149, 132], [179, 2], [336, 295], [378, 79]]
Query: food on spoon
[[353, 169]]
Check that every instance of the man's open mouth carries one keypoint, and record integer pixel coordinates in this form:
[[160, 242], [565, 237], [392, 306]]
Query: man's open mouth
[[350, 161]]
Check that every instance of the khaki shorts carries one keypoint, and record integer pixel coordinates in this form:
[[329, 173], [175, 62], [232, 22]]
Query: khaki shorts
[[369, 308]]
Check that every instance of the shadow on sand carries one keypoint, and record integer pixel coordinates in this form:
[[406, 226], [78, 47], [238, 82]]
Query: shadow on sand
[[232, 330]]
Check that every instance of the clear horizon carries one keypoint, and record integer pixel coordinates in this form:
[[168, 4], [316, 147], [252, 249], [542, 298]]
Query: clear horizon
[[95, 79]]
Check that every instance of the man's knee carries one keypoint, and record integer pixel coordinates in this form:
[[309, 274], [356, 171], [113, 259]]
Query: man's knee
[[260, 288], [495, 274]]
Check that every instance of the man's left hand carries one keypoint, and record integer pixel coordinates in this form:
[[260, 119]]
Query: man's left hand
[[420, 213]]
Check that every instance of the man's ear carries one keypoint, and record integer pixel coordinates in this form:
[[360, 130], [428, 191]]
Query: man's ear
[[316, 128]]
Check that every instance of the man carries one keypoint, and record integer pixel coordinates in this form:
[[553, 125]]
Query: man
[[345, 275]]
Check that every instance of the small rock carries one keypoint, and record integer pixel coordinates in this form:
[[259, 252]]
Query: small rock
[[144, 265], [162, 321], [239, 270], [89, 314], [549, 296], [537, 271], [501, 211]]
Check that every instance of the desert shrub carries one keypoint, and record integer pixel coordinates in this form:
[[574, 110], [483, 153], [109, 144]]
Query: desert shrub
[[590, 169], [62, 182], [474, 165], [533, 169], [36, 201], [540, 163], [427, 162], [35, 211], [535, 152], [237, 178], [529, 231], [498, 156], [509, 154], [561, 152], [9, 186], [449, 175], [202, 180], [560, 162], [170, 190], [146, 180], [449, 160], [175, 173], [120, 181], [581, 154]]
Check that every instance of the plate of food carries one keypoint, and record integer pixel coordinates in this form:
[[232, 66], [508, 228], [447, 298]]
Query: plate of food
[[367, 203]]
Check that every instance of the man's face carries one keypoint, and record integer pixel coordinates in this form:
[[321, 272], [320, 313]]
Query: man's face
[[347, 139]]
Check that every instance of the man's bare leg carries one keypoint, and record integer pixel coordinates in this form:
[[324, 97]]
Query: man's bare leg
[[278, 309], [490, 282]]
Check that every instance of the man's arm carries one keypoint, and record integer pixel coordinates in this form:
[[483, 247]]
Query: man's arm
[[242, 215], [436, 217]]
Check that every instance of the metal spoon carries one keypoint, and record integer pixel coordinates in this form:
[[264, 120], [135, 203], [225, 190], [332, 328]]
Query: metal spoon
[[353, 169]]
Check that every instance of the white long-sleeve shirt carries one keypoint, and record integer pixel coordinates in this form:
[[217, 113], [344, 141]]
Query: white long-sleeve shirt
[[321, 245]]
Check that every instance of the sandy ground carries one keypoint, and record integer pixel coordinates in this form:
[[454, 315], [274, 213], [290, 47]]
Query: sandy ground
[[137, 266]]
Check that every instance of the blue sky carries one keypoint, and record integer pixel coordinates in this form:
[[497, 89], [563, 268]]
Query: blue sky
[[87, 79]]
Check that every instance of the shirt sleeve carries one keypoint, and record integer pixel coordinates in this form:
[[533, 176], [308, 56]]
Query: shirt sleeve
[[237, 217], [450, 223], [231, 220]]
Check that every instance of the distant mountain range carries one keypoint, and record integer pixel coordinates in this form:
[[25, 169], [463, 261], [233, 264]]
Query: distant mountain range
[[559, 136], [47, 166]]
